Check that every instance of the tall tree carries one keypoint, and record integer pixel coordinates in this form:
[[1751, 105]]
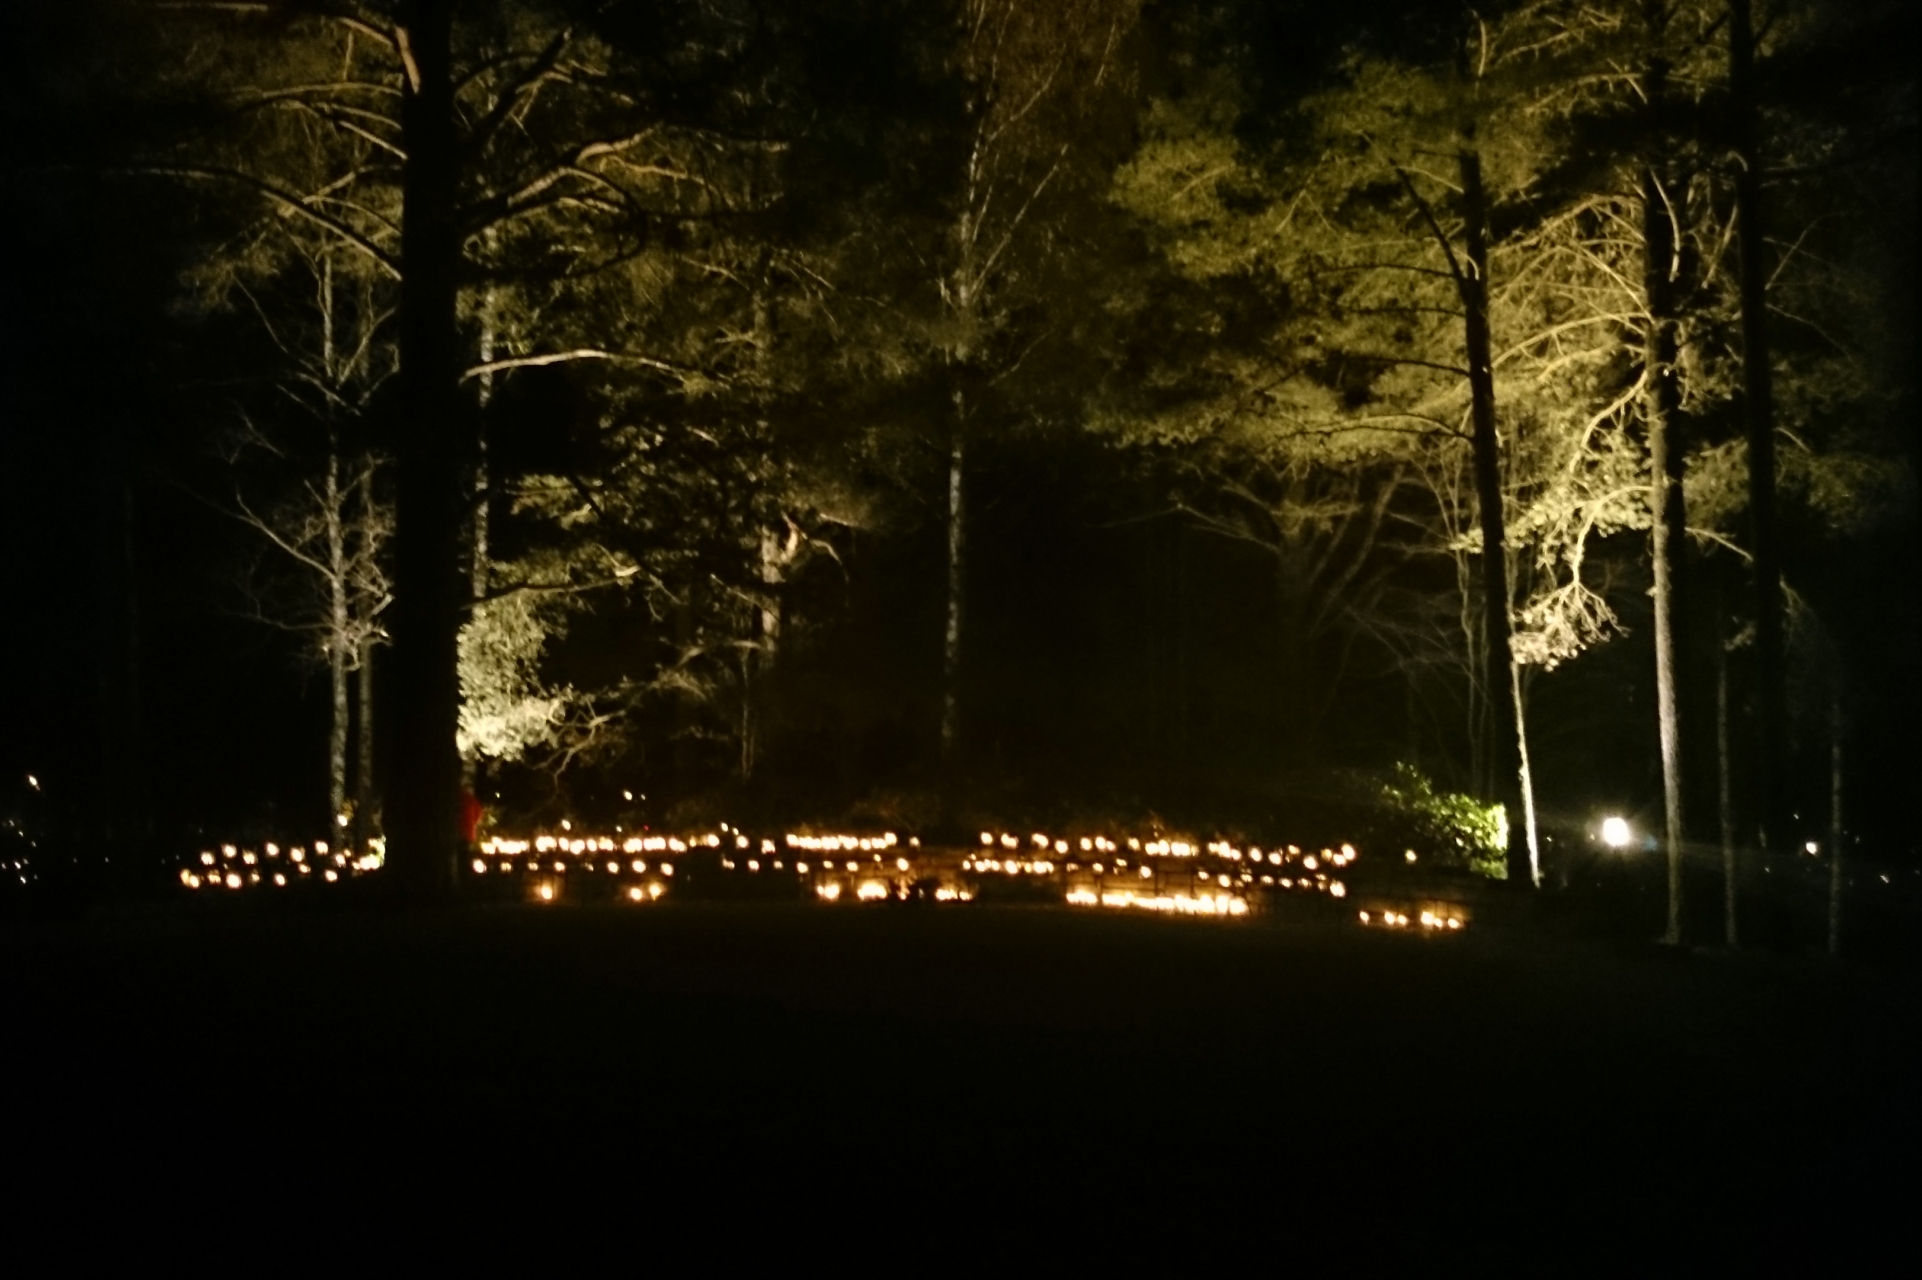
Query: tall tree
[[1037, 79]]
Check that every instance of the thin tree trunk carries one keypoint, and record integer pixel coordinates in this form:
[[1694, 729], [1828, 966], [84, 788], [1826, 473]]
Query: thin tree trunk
[[477, 570], [1726, 796], [1758, 406], [1661, 403], [1835, 824], [1505, 746], [1527, 779], [957, 581], [757, 662], [363, 827], [1183, 666], [433, 457], [338, 629]]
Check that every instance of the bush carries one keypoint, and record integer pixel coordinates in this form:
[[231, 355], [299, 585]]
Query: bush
[[1459, 832]]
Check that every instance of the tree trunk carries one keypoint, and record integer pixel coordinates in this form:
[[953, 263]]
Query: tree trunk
[[1661, 403], [1726, 795], [957, 581], [433, 455], [1835, 824], [1527, 779], [363, 827], [1758, 406], [338, 627], [1505, 747]]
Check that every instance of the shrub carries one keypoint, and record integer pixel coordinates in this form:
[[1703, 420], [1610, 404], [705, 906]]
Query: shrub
[[1460, 832]]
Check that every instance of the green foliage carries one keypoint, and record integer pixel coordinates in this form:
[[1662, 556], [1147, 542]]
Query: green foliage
[[1457, 832], [507, 708]]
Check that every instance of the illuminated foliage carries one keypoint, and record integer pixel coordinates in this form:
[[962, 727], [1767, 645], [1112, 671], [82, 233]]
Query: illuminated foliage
[[1456, 831]]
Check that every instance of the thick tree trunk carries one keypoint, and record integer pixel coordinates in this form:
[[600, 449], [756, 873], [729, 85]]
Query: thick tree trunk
[[1505, 747], [1661, 404], [1758, 406], [1835, 824], [1726, 796], [433, 455]]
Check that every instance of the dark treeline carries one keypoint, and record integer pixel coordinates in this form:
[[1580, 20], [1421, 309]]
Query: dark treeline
[[917, 412]]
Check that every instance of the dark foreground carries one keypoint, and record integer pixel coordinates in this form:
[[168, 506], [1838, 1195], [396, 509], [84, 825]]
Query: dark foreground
[[1249, 1080]]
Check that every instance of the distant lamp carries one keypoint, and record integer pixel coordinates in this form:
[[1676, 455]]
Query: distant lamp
[[1615, 833]]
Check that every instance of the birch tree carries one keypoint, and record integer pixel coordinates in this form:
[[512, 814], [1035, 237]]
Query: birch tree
[[537, 143], [1036, 79]]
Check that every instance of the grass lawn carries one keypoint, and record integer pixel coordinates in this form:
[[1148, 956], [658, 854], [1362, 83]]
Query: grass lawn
[[951, 1061]]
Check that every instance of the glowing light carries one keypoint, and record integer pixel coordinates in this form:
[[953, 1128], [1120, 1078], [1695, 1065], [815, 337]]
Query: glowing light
[[801, 867], [829, 891], [871, 891], [900, 864], [280, 879], [547, 893], [636, 894], [639, 866], [332, 875], [667, 868], [480, 867], [1615, 832], [206, 859], [1410, 855], [1337, 890]]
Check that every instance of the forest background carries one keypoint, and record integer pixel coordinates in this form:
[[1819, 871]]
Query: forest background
[[926, 414]]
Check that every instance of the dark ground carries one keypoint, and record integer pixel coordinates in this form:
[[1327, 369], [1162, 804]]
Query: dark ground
[[952, 1071]]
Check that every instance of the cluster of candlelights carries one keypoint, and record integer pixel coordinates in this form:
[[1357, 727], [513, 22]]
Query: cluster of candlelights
[[1200, 904], [866, 868], [233, 867], [545, 859], [1098, 856], [1400, 920]]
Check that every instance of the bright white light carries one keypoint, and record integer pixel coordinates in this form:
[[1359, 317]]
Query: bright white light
[[1615, 832]]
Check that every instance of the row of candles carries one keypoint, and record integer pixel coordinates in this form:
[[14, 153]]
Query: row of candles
[[1131, 873]]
